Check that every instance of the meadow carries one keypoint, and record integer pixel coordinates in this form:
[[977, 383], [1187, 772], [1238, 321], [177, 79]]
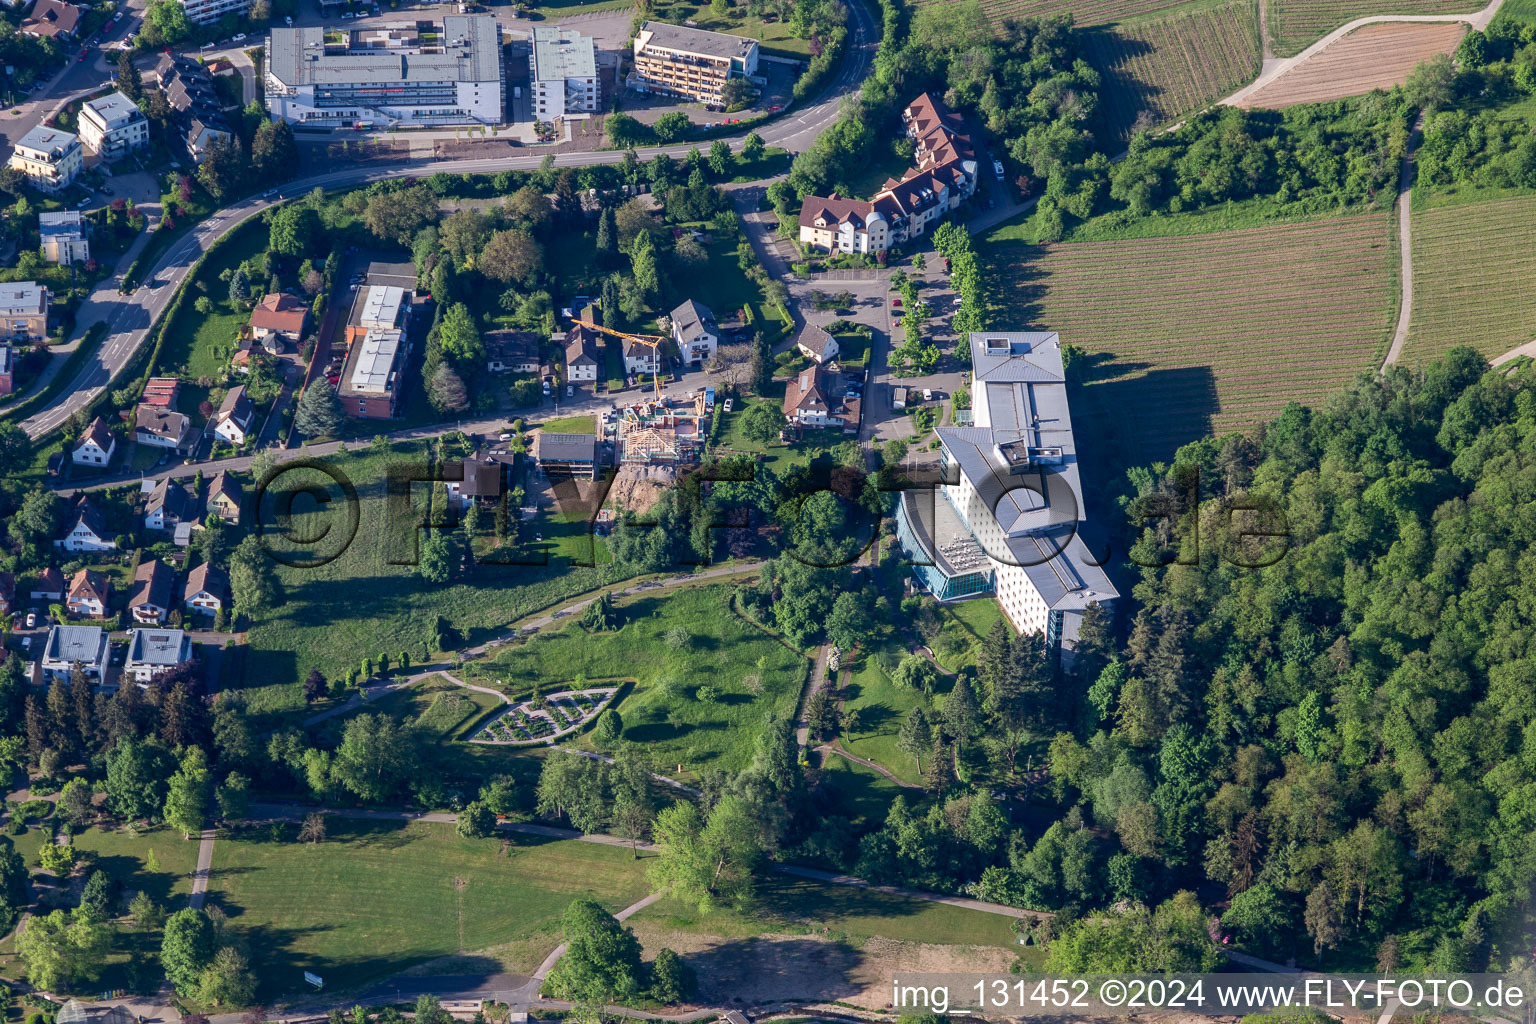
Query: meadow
[[375, 898], [1192, 335], [705, 680], [1174, 64], [368, 599], [1473, 264]]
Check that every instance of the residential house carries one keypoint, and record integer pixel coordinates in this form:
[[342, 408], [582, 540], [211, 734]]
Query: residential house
[[511, 351], [225, 497], [277, 320], [566, 454], [678, 60], [232, 422], [198, 110], [168, 507], [811, 400], [163, 428], [154, 652], [90, 594], [152, 588], [96, 446], [63, 237], [48, 586], [7, 368], [52, 19], [207, 590], [71, 646], [581, 362], [640, 358], [905, 208], [695, 331], [7, 593], [88, 531], [112, 126], [48, 158], [816, 344], [484, 480], [23, 311]]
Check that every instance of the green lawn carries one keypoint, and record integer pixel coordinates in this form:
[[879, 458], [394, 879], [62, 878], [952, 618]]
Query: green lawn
[[881, 705], [364, 601], [753, 675], [437, 707], [865, 794], [377, 897], [199, 345], [720, 284], [571, 425]]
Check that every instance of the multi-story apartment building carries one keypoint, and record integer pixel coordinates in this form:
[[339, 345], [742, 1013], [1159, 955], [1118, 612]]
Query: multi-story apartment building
[[205, 12], [63, 237], [564, 72], [113, 126], [7, 368], [23, 311], [48, 158], [690, 62], [377, 332], [905, 207], [1007, 515], [416, 72]]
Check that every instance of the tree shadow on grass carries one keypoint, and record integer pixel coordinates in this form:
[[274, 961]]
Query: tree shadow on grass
[[760, 970]]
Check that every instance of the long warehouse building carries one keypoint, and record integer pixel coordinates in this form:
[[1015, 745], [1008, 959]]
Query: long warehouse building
[[416, 72]]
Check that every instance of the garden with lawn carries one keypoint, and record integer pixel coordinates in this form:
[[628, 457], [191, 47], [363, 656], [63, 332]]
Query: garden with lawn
[[374, 898], [705, 679]]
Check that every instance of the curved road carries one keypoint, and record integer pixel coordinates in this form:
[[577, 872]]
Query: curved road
[[130, 317]]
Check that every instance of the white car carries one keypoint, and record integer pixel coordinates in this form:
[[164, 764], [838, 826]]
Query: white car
[[927, 394], [730, 403], [239, 37], [289, 20], [31, 620], [997, 169]]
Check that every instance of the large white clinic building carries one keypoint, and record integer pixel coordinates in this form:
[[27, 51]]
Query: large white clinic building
[[1007, 516], [412, 72], [564, 72]]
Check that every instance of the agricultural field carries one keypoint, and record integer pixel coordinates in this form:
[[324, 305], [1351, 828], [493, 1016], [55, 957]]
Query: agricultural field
[[375, 898], [704, 678], [1373, 57], [1084, 15], [1198, 334], [1473, 264], [1174, 65], [1295, 24]]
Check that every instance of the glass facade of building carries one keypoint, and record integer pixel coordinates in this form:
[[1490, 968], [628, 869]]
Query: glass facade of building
[[916, 543]]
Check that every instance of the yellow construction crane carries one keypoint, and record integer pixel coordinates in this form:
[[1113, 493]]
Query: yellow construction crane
[[650, 341]]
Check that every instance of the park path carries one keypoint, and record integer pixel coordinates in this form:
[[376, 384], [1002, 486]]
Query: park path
[[835, 748], [1405, 243], [818, 682], [203, 871], [1273, 69], [532, 988]]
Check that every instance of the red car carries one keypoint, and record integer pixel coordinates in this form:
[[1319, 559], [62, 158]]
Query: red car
[[83, 54], [896, 303]]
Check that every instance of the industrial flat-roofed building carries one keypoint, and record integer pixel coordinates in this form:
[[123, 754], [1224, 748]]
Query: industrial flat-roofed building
[[112, 126], [690, 62], [410, 72], [377, 332], [564, 72], [1007, 516], [48, 158]]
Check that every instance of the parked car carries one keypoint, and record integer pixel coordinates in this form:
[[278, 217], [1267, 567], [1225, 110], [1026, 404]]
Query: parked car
[[239, 37], [31, 620], [730, 403], [289, 19], [997, 169], [570, 390], [895, 303]]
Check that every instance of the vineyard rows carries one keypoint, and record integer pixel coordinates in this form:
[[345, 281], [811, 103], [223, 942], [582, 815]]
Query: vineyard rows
[[1372, 57], [1473, 265], [1174, 66], [1090, 12], [1211, 332], [1296, 23]]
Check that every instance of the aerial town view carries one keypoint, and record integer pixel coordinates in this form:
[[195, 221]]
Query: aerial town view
[[694, 511]]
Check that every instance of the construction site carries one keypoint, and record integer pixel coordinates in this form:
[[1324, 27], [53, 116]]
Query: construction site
[[661, 431]]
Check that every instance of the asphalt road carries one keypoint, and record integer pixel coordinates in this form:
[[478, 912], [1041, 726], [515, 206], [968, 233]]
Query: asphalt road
[[129, 317]]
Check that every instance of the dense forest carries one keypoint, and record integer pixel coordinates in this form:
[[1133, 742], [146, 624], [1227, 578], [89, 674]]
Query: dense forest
[[1343, 742]]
